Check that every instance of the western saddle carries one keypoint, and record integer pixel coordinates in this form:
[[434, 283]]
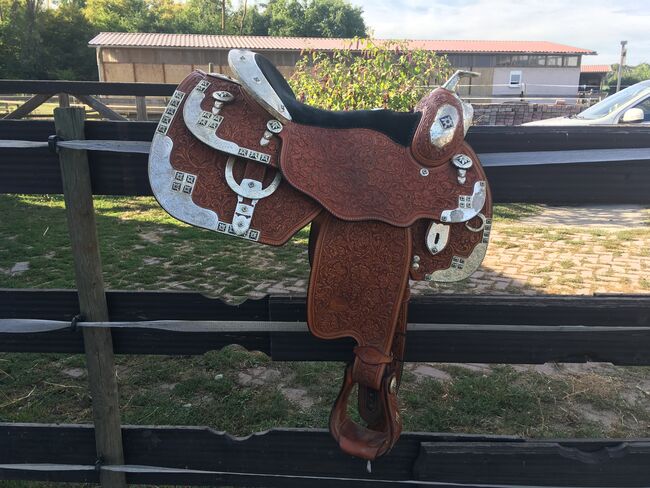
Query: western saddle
[[390, 197]]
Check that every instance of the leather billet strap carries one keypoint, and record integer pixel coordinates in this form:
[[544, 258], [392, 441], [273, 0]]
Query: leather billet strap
[[357, 289]]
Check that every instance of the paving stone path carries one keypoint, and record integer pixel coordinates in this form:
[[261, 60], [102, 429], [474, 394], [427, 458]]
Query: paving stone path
[[562, 250]]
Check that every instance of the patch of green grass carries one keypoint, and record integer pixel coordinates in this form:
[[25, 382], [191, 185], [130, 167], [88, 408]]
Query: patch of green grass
[[515, 211], [141, 247]]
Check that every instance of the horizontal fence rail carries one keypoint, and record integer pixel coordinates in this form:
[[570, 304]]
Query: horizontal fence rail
[[447, 328], [611, 164], [310, 457], [45, 87]]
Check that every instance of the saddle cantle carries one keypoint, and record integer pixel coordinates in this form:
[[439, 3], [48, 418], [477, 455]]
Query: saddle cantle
[[390, 197]]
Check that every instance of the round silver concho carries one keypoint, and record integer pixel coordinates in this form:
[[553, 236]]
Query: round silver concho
[[462, 161]]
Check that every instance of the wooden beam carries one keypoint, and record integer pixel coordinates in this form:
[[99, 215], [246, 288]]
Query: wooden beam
[[30, 105], [98, 344], [101, 108]]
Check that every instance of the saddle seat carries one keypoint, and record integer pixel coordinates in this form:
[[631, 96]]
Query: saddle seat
[[399, 126], [368, 164]]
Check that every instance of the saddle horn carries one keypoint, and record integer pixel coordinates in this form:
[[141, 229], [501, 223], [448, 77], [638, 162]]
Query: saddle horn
[[453, 80]]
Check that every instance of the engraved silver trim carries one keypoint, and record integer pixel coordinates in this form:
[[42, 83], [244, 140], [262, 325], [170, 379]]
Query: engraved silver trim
[[178, 204], [468, 116], [468, 205], [248, 73], [203, 126], [248, 188], [444, 125], [168, 115], [437, 237], [462, 268]]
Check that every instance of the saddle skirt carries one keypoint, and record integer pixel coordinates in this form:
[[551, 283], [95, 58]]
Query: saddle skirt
[[390, 197]]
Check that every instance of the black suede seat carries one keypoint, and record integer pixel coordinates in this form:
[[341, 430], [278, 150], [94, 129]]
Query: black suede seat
[[399, 126]]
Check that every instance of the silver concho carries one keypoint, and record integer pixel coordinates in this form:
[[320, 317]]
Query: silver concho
[[220, 98], [444, 125], [468, 205], [250, 189], [437, 237], [463, 163], [272, 127]]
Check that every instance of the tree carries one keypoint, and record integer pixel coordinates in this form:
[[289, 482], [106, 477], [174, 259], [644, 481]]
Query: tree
[[386, 75], [314, 18], [121, 15], [65, 33], [629, 76]]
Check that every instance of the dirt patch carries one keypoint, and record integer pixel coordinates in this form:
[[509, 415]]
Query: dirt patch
[[427, 371], [606, 418], [74, 372], [298, 396], [258, 376]]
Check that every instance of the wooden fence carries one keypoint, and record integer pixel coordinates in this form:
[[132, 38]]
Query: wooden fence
[[524, 164], [85, 92]]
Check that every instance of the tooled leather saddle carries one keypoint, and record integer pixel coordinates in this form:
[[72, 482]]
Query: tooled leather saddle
[[390, 197]]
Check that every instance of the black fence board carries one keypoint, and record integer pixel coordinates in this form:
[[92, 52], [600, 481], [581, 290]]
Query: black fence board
[[85, 87], [492, 329], [36, 170], [538, 463], [303, 455], [490, 139]]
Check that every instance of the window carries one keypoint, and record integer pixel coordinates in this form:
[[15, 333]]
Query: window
[[504, 60], [645, 106], [554, 61], [515, 79], [520, 60], [537, 61], [571, 61]]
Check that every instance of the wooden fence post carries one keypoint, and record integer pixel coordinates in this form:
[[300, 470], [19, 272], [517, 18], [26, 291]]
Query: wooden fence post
[[98, 343], [141, 107], [64, 100]]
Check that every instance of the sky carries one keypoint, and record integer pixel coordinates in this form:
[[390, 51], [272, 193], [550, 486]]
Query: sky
[[598, 25]]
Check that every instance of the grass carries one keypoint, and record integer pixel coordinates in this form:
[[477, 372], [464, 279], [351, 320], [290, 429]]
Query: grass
[[141, 247]]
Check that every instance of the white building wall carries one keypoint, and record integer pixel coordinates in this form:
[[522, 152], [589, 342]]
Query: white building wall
[[562, 82]]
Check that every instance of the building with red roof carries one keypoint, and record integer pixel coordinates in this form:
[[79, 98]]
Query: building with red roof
[[509, 69]]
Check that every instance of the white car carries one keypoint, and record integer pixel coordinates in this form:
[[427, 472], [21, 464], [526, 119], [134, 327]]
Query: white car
[[629, 106]]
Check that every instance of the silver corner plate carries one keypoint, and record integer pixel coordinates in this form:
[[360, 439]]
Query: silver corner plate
[[164, 180]]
